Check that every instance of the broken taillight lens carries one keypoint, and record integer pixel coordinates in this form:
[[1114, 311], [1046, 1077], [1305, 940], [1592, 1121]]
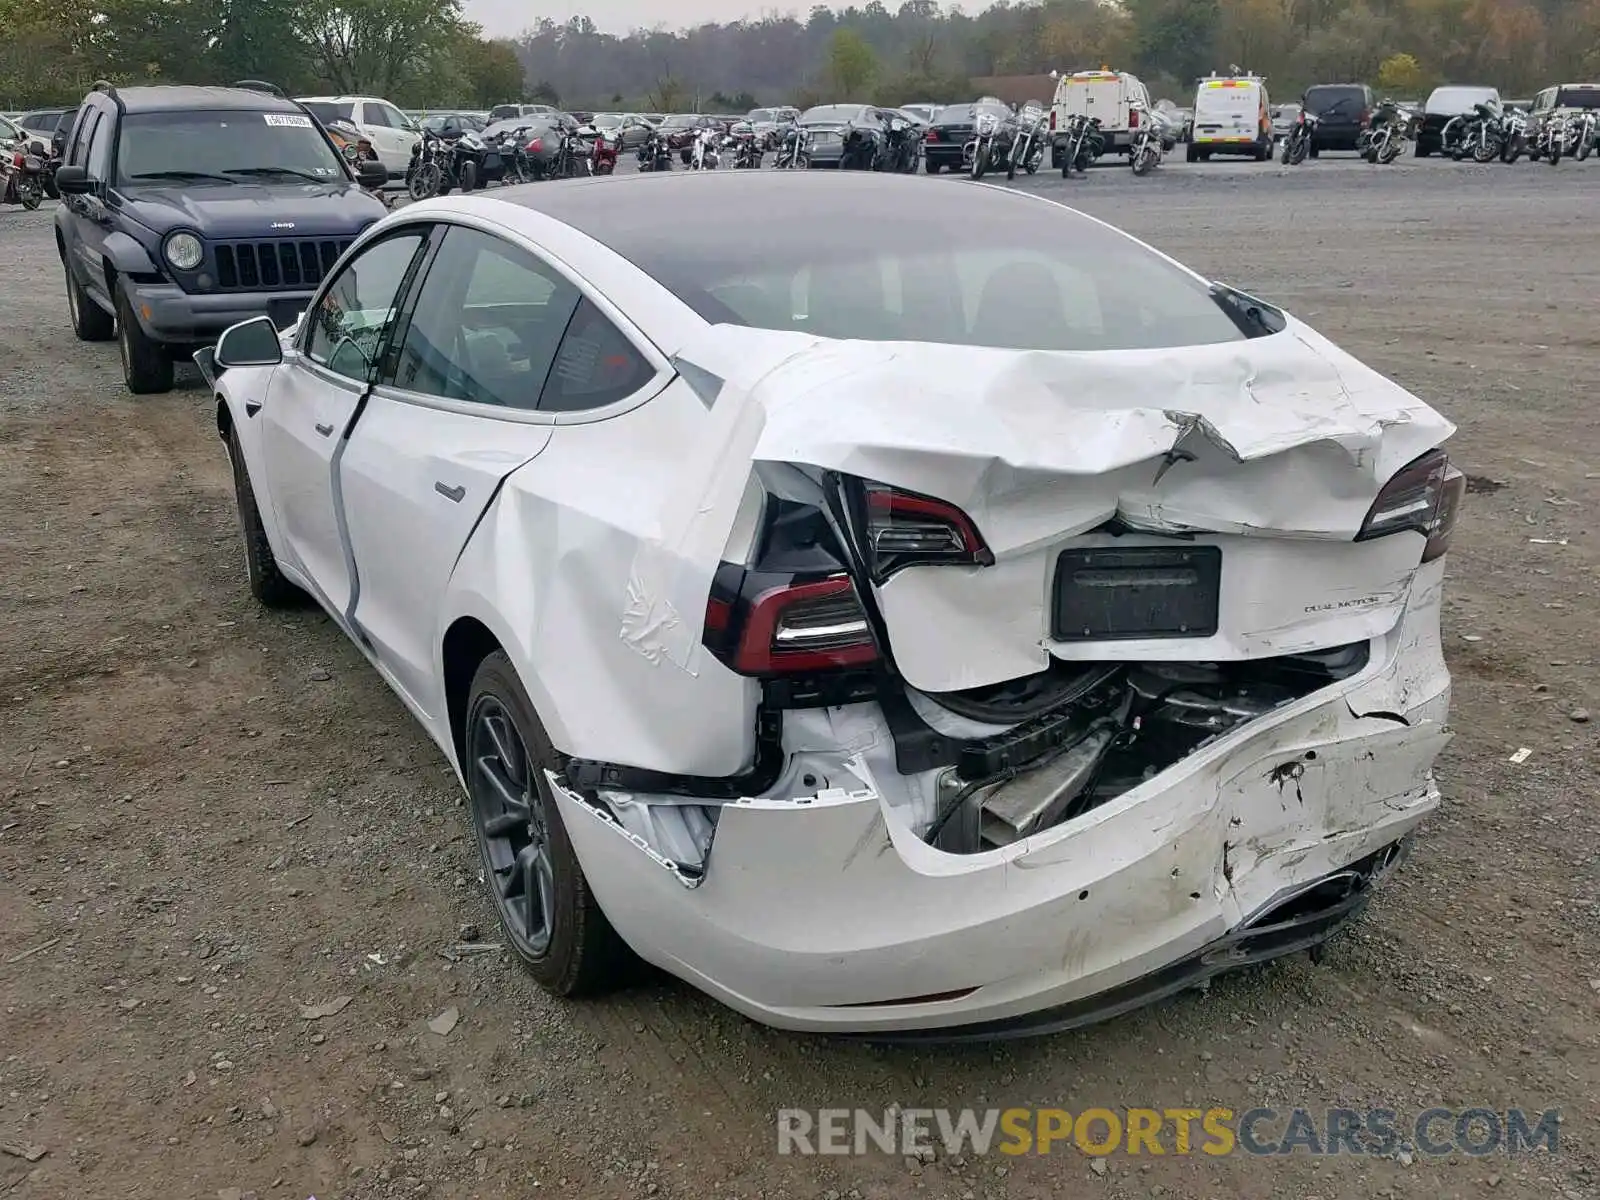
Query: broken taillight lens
[[1423, 497], [789, 628], [905, 529]]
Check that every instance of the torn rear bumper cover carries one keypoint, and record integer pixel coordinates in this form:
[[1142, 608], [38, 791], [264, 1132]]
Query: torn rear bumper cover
[[826, 912]]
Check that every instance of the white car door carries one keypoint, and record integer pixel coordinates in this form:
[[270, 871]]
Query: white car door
[[495, 344], [313, 397], [392, 134]]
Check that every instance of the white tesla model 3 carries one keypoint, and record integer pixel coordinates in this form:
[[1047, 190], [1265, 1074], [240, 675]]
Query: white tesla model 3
[[894, 608]]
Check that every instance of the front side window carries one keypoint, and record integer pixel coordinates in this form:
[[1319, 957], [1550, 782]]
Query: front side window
[[224, 147], [345, 331], [486, 324], [78, 155], [98, 163], [393, 117], [376, 115]]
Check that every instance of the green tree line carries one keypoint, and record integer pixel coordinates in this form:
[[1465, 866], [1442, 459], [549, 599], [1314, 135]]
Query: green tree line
[[423, 53], [416, 52]]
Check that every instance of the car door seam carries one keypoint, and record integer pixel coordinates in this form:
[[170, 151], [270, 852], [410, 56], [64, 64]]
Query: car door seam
[[342, 522]]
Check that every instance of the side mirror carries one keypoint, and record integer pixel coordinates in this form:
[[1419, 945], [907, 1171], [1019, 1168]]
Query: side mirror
[[73, 181], [252, 343], [372, 174]]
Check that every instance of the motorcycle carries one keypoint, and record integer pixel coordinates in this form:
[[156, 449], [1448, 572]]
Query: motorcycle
[[656, 153], [988, 147], [745, 147], [1149, 143], [794, 149], [1385, 138], [703, 154], [1482, 135], [1587, 125], [903, 143], [1085, 143], [356, 149], [602, 154], [516, 155], [572, 153], [428, 173], [1027, 148], [23, 171], [1297, 146]]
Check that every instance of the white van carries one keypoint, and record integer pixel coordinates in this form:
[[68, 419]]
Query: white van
[[1105, 94], [1232, 116]]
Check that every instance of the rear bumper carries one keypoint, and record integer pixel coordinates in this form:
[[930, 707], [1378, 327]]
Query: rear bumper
[[824, 912], [170, 315]]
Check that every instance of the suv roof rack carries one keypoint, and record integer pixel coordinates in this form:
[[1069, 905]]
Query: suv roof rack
[[261, 85]]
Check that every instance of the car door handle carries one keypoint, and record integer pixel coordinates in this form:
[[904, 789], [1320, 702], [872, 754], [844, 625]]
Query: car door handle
[[324, 430], [449, 493]]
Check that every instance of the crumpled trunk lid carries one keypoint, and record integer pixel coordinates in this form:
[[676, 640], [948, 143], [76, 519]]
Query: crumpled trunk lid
[[1246, 467]]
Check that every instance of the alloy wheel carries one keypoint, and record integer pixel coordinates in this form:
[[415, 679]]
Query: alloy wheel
[[508, 812]]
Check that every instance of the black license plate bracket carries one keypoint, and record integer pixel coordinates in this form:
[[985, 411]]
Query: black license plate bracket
[[1136, 593]]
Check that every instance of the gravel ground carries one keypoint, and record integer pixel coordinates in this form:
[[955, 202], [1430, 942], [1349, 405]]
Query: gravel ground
[[211, 817]]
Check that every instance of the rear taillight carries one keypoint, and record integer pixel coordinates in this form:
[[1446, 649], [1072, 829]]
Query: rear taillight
[[790, 628], [905, 529], [1423, 497], [1133, 118], [535, 146], [933, 135]]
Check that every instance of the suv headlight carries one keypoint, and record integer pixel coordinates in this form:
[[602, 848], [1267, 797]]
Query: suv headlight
[[184, 251]]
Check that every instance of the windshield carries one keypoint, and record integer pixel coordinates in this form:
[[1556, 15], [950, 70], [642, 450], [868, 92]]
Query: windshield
[[1460, 99], [228, 146], [760, 114], [502, 111], [607, 119], [681, 121], [326, 111], [1023, 275], [832, 114]]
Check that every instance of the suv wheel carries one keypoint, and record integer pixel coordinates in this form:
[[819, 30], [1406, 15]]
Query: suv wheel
[[550, 917], [267, 583], [89, 321], [146, 369]]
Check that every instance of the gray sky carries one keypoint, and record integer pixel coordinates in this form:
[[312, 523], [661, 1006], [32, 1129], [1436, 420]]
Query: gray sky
[[504, 18]]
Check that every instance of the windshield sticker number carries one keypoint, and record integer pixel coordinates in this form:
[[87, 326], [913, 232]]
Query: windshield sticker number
[[287, 120]]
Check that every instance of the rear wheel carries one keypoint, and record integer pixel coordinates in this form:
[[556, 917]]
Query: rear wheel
[[469, 176], [426, 181], [931, 167], [146, 367], [1191, 153], [550, 917]]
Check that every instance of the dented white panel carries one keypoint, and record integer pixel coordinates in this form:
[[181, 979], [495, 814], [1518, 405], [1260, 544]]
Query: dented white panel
[[1101, 900]]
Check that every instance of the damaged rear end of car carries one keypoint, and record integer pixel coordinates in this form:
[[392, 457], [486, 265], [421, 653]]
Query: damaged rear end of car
[[1077, 677]]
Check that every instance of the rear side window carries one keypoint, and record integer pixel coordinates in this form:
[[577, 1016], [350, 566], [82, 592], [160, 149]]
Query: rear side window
[[1584, 97], [595, 366], [377, 114], [326, 111], [78, 155]]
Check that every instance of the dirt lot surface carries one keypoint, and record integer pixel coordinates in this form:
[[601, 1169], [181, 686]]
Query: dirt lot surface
[[211, 817]]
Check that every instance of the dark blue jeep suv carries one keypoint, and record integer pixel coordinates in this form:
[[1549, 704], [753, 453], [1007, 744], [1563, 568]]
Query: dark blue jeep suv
[[187, 209]]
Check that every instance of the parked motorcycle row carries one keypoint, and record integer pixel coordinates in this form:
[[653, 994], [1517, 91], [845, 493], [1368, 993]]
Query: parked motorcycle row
[[27, 174], [466, 160], [1489, 133]]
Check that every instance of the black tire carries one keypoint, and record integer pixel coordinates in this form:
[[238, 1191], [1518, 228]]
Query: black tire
[[50, 188], [146, 367], [576, 951], [1422, 151], [469, 177], [1191, 153], [931, 167], [90, 322], [267, 583]]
